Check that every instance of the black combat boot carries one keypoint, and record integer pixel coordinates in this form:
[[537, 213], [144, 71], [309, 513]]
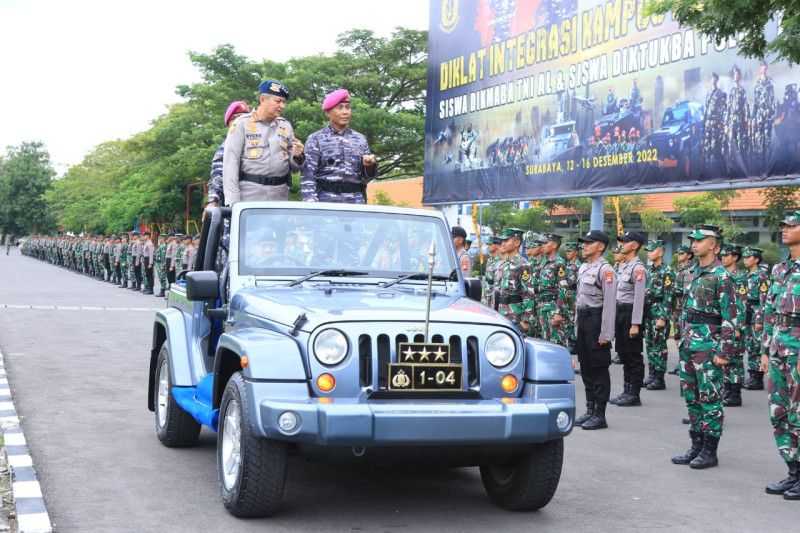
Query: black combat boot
[[779, 487], [587, 415], [598, 419], [658, 382], [674, 371], [625, 391], [686, 421], [726, 392], [617, 360], [734, 398], [708, 455], [755, 381], [793, 493], [147, 291], [632, 399], [691, 453], [160, 292]]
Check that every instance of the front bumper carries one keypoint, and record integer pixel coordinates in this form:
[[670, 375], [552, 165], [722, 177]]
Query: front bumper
[[531, 418]]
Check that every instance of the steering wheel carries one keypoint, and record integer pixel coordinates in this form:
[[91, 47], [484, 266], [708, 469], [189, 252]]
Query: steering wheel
[[282, 259]]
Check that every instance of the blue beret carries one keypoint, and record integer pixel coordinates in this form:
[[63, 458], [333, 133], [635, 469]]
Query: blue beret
[[273, 87]]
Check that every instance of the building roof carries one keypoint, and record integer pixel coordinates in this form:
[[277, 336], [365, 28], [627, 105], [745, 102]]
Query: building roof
[[409, 192]]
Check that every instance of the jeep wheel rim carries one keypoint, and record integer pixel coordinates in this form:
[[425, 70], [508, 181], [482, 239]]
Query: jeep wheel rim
[[163, 394], [231, 444]]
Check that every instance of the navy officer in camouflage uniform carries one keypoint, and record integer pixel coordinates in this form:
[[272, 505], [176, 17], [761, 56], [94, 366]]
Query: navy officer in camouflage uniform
[[338, 161], [261, 150]]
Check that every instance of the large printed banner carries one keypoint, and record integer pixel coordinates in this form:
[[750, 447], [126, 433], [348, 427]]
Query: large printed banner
[[534, 99]]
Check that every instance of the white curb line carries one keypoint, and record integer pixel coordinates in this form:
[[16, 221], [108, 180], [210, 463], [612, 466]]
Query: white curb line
[[32, 516]]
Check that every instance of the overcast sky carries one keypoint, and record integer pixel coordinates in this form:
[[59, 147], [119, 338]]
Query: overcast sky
[[76, 73]]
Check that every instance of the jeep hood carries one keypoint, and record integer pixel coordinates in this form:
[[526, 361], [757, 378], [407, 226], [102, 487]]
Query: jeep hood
[[322, 304]]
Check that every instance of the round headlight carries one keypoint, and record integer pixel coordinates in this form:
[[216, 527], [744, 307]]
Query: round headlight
[[330, 347], [500, 349]]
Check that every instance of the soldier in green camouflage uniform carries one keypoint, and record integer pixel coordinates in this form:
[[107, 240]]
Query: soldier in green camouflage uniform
[[658, 303], [737, 119], [781, 358], [533, 250], [757, 289], [550, 292], [707, 343], [512, 277], [487, 281], [124, 261], [683, 279], [714, 129], [734, 370], [763, 117], [570, 285], [161, 266]]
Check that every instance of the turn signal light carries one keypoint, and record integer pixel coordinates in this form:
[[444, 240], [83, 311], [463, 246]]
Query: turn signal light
[[509, 383], [326, 382]]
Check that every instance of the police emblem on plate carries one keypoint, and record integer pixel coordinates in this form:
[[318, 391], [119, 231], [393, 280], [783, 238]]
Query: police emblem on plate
[[449, 15]]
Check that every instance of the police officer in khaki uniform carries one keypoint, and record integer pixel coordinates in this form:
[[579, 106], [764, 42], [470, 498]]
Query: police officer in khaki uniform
[[261, 150], [595, 314]]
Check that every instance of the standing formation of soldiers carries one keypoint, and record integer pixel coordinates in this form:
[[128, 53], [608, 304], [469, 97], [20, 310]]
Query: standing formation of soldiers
[[130, 261]]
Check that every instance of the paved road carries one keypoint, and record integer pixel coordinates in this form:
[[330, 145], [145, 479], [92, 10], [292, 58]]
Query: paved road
[[79, 378]]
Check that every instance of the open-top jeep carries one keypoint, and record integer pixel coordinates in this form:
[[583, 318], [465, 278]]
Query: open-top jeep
[[331, 329]]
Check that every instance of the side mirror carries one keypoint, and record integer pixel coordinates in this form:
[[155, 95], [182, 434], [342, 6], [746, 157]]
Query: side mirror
[[474, 289], [202, 285]]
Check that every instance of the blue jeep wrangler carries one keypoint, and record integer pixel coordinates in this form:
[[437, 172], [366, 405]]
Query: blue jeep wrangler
[[342, 330]]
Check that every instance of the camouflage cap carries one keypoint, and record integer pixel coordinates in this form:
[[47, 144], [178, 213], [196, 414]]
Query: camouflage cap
[[531, 239], [495, 239], [570, 246], [752, 251], [653, 244], [683, 249], [705, 230], [731, 249], [791, 219], [507, 233]]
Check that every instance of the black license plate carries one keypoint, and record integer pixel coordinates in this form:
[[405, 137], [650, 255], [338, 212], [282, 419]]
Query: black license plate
[[424, 377]]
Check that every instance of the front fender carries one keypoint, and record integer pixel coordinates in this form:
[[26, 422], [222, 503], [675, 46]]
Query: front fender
[[546, 362], [177, 339], [272, 356]]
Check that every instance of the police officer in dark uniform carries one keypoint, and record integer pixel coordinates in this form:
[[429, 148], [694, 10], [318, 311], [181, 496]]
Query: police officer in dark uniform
[[595, 313], [631, 289]]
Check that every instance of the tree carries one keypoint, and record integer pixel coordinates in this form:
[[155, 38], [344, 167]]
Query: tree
[[742, 19], [779, 200], [655, 222], [507, 215], [697, 209], [25, 175]]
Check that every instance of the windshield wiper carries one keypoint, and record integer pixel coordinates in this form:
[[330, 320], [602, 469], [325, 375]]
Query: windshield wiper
[[421, 276], [332, 273]]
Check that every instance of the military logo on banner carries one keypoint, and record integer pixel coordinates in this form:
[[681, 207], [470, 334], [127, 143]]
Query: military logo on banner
[[449, 18]]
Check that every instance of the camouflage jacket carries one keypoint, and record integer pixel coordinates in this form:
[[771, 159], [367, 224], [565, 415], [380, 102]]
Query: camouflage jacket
[[739, 279], [783, 298], [512, 277], [763, 101], [488, 280], [658, 292], [716, 104], [683, 279], [161, 254], [570, 284], [549, 292], [757, 289], [334, 156], [712, 295]]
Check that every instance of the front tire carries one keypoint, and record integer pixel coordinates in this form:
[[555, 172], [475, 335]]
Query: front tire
[[175, 427], [529, 481], [252, 470]]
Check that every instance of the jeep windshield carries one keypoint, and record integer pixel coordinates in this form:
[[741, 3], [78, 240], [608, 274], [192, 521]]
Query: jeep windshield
[[300, 242]]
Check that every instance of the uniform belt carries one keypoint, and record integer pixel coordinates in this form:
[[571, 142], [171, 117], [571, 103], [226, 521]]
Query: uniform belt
[[624, 305], [695, 317], [753, 301], [339, 187], [589, 310], [789, 321], [506, 300], [272, 181]]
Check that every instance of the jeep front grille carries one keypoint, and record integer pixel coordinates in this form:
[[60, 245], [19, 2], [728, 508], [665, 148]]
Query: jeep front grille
[[375, 352]]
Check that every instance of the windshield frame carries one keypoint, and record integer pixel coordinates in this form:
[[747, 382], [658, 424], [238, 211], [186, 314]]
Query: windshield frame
[[244, 210]]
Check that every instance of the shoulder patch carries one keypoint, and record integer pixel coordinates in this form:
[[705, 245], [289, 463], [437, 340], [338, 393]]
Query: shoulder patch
[[561, 272], [609, 276], [638, 273], [526, 275], [742, 290], [667, 280], [763, 287]]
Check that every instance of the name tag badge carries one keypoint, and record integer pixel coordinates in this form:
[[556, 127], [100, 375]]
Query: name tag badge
[[254, 153]]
